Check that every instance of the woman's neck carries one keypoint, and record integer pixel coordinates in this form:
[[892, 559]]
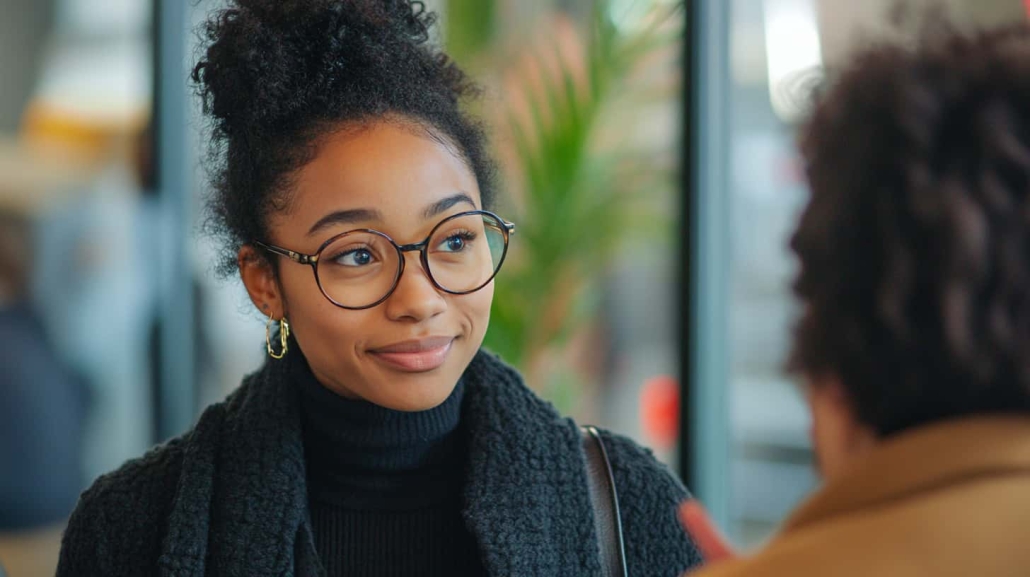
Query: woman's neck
[[360, 454]]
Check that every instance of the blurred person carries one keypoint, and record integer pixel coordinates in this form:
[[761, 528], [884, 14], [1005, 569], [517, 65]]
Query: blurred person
[[914, 341], [352, 195], [95, 266], [43, 407]]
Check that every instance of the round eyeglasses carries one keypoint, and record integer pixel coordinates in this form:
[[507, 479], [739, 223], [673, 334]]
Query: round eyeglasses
[[360, 269]]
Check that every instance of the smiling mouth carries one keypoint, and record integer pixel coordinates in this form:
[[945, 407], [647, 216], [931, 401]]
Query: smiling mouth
[[415, 356]]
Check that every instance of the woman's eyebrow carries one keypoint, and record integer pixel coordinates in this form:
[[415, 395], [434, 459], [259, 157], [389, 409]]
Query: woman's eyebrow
[[441, 205], [351, 216], [357, 215]]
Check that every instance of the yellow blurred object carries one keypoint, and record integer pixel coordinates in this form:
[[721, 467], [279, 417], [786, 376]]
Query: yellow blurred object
[[92, 134], [58, 152], [36, 177]]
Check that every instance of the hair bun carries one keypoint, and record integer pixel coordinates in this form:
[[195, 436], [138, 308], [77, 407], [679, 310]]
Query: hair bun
[[265, 58]]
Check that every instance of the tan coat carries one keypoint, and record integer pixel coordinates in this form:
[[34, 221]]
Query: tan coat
[[951, 499]]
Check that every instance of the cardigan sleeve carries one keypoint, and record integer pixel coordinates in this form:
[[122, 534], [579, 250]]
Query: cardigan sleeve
[[649, 495]]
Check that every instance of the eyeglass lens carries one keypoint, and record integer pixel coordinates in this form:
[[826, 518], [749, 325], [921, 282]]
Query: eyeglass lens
[[361, 267]]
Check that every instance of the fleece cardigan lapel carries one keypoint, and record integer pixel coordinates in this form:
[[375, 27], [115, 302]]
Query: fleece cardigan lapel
[[241, 505], [526, 497], [242, 501]]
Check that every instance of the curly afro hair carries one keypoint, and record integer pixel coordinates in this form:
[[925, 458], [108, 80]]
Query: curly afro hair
[[914, 248], [276, 75]]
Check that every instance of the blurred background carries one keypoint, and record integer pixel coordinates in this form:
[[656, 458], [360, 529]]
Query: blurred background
[[646, 153]]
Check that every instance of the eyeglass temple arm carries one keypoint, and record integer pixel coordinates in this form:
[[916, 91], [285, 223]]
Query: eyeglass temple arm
[[294, 256]]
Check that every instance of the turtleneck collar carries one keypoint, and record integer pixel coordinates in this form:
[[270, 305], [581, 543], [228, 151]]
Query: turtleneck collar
[[363, 456]]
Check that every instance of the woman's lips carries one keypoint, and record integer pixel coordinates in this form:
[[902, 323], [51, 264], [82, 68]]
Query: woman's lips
[[415, 356]]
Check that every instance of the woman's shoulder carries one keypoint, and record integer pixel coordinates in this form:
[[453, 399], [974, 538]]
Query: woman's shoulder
[[118, 525], [499, 395], [509, 421], [140, 478], [649, 494], [638, 466], [153, 477]]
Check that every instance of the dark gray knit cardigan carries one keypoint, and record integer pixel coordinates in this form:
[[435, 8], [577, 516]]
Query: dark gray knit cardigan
[[229, 498]]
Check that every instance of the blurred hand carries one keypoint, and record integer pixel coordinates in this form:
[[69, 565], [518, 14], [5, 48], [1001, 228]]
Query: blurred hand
[[706, 535]]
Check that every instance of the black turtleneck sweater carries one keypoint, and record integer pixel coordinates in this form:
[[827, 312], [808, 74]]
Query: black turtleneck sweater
[[384, 486]]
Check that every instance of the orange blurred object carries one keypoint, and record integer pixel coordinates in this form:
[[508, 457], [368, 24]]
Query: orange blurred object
[[660, 411]]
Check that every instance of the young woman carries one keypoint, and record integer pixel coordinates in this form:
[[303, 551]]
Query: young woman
[[353, 196]]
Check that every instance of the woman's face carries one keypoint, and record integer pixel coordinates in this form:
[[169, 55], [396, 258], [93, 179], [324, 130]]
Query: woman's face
[[408, 352]]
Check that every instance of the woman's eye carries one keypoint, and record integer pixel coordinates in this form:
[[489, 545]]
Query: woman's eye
[[457, 242], [356, 257]]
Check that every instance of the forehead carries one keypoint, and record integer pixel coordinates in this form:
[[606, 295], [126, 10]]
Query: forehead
[[391, 167]]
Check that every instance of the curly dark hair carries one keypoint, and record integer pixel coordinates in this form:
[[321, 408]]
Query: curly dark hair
[[277, 75], [914, 248]]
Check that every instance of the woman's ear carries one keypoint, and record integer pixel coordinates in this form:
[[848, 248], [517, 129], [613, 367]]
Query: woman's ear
[[261, 282]]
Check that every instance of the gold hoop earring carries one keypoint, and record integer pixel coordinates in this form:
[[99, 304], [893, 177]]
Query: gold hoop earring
[[284, 335]]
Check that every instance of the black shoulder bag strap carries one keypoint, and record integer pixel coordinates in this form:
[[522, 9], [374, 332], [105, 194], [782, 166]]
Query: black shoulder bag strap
[[605, 502]]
